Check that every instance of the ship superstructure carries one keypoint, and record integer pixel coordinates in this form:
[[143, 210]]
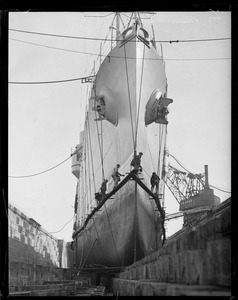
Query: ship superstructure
[[127, 114]]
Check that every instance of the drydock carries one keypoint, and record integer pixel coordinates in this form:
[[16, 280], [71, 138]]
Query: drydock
[[195, 261]]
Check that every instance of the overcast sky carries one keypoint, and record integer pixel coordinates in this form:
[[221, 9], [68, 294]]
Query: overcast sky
[[45, 119]]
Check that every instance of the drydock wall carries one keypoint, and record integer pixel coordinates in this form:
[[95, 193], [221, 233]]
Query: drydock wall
[[34, 254], [197, 262]]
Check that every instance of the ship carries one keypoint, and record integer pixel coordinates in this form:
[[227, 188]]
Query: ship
[[127, 114]]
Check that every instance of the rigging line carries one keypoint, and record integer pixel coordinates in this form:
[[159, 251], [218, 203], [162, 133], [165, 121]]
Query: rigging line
[[24, 176], [229, 192], [52, 81], [90, 143], [104, 204], [123, 24], [89, 177], [140, 19], [164, 164], [171, 191], [100, 146], [51, 47], [124, 235], [180, 164], [152, 163], [138, 110], [160, 146], [128, 89], [91, 245], [98, 238], [109, 40], [84, 182], [47, 231], [114, 56], [63, 226], [81, 258], [158, 141], [84, 192], [59, 35], [87, 185], [146, 173]]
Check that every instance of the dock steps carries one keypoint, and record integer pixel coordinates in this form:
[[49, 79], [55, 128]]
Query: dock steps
[[156, 288]]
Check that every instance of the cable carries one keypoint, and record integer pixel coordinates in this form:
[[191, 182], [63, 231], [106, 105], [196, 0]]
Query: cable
[[112, 56], [90, 144], [109, 40], [220, 189], [42, 230], [128, 90], [63, 226], [114, 243], [42, 171], [98, 134], [138, 110], [59, 35], [56, 81], [46, 46], [180, 163]]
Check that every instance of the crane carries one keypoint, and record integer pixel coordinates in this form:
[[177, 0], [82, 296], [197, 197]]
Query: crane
[[191, 191]]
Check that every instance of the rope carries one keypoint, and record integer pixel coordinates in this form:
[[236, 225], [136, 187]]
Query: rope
[[180, 164], [52, 81], [85, 173], [81, 260], [138, 110], [100, 150], [152, 163], [94, 181], [113, 56], [86, 190], [91, 247], [123, 24], [89, 178], [101, 39], [42, 171], [98, 238], [91, 155], [128, 88], [111, 232], [160, 146]]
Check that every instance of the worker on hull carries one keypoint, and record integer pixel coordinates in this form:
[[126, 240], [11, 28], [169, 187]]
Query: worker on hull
[[136, 163], [154, 180], [116, 175]]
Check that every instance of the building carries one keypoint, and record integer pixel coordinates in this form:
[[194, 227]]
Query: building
[[34, 254]]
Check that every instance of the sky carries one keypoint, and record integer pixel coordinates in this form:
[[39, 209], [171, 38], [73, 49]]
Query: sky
[[45, 119]]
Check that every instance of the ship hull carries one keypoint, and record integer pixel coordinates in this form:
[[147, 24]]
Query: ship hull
[[127, 227], [122, 232]]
